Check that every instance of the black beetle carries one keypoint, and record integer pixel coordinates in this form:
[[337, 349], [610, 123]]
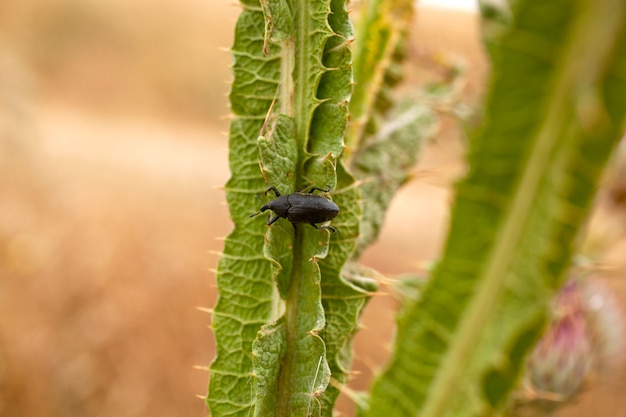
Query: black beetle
[[302, 208]]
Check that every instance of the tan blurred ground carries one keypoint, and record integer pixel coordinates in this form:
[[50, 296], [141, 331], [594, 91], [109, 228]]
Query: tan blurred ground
[[110, 155]]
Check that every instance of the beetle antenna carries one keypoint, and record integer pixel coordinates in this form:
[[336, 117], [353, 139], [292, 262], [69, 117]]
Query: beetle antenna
[[256, 214]]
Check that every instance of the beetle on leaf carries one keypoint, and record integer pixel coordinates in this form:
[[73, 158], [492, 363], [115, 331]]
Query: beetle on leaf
[[302, 208]]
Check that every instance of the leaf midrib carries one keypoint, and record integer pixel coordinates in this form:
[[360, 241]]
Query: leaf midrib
[[298, 52]]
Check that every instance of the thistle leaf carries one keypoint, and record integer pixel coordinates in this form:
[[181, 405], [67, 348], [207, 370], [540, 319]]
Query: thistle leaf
[[246, 291], [554, 112], [302, 125], [384, 161], [378, 55]]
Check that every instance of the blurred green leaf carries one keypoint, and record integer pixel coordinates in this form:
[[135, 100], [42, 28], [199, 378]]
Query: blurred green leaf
[[383, 163], [378, 55], [554, 113]]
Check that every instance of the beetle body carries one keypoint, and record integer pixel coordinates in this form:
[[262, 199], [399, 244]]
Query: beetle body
[[302, 208]]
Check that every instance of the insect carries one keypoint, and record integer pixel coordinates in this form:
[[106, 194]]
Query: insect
[[302, 208]]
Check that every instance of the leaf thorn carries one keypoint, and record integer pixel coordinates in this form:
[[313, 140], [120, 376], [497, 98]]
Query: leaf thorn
[[205, 309]]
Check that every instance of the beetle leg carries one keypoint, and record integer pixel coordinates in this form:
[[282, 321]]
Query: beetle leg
[[332, 229], [273, 189], [272, 220], [326, 190]]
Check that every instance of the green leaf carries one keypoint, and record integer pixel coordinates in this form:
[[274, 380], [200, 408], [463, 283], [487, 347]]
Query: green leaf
[[303, 369], [302, 138], [267, 350], [554, 113], [246, 292], [278, 21], [385, 136], [378, 54], [383, 163]]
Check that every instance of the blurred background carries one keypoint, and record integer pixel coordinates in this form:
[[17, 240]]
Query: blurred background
[[112, 155]]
